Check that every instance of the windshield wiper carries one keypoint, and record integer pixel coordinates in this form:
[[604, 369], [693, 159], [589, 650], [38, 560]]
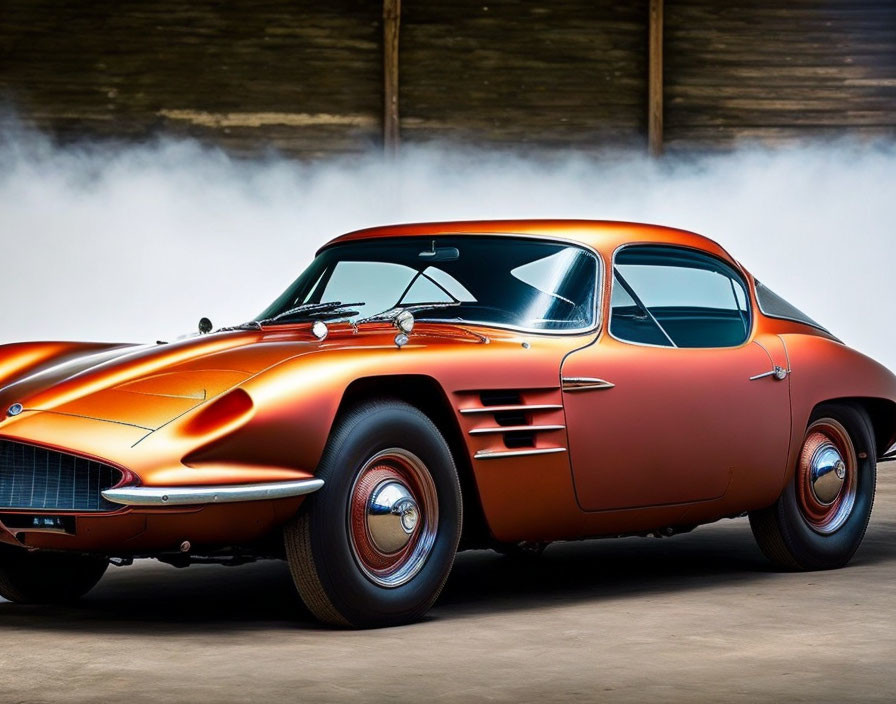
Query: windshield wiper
[[251, 325], [413, 308], [313, 311]]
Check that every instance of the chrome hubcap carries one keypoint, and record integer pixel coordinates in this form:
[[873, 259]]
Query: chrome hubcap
[[393, 517], [826, 480], [827, 470]]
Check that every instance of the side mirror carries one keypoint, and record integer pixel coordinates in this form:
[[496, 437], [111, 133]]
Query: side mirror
[[205, 326]]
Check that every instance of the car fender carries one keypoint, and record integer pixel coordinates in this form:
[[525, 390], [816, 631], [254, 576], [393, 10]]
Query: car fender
[[825, 370]]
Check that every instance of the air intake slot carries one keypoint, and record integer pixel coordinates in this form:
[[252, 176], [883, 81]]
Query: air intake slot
[[504, 418], [519, 438], [500, 397], [514, 422], [36, 479]]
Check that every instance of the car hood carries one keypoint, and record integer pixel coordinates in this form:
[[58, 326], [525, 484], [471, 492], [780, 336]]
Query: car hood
[[148, 386], [140, 385]]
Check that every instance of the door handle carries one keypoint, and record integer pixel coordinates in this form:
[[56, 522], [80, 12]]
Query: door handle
[[779, 373]]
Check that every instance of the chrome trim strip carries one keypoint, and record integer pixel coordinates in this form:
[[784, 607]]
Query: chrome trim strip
[[513, 407], [514, 428], [501, 454], [584, 383], [191, 495], [512, 328]]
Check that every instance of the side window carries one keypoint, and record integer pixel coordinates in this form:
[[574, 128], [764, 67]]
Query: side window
[[677, 298]]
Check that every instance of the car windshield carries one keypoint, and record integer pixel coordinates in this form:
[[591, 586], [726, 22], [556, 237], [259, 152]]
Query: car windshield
[[500, 281]]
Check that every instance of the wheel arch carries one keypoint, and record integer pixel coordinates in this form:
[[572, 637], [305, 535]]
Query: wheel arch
[[880, 411], [426, 394]]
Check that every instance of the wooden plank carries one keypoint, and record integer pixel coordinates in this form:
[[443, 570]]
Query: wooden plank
[[724, 138], [391, 24], [655, 78]]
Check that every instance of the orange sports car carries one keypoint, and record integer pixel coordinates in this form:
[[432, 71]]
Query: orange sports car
[[426, 388]]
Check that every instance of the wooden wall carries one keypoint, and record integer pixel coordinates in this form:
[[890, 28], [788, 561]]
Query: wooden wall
[[773, 71], [306, 78], [299, 76], [570, 73]]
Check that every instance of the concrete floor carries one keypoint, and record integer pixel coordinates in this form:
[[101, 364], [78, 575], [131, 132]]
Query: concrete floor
[[698, 617]]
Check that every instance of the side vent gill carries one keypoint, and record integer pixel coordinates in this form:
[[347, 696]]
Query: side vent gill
[[514, 422]]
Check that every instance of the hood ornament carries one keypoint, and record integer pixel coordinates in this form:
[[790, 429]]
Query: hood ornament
[[15, 409]]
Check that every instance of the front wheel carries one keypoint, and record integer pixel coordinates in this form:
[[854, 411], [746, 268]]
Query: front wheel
[[48, 578], [820, 519], [375, 545]]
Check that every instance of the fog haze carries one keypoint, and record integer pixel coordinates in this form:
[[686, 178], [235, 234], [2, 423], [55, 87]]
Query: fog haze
[[135, 243]]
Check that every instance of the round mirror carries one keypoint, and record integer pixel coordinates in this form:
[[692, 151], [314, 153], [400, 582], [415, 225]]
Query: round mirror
[[205, 326]]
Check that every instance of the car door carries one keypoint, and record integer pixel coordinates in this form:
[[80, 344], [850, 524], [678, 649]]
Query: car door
[[675, 401]]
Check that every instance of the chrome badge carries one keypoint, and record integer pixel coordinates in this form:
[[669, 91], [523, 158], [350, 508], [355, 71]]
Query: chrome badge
[[15, 409]]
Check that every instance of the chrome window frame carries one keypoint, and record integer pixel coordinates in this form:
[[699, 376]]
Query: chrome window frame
[[745, 279], [597, 299]]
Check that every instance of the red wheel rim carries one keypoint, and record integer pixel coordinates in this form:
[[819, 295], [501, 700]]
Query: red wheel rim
[[826, 476], [392, 517]]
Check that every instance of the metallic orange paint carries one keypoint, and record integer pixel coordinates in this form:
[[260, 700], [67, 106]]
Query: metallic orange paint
[[682, 437]]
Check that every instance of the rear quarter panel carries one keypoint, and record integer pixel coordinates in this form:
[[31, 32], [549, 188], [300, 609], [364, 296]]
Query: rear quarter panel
[[823, 369]]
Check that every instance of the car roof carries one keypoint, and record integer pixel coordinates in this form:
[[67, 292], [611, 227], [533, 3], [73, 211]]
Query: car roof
[[604, 236]]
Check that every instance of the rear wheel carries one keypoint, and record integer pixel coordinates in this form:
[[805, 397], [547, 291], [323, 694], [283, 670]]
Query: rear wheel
[[48, 578], [375, 545], [820, 519]]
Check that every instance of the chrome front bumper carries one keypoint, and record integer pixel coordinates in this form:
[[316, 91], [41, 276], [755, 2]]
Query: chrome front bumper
[[187, 496]]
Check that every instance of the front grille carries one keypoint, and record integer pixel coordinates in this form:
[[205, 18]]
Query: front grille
[[38, 479]]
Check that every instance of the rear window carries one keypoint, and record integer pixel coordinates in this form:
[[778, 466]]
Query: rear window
[[772, 305]]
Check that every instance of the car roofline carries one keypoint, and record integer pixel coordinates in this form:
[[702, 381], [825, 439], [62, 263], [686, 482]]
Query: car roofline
[[603, 236]]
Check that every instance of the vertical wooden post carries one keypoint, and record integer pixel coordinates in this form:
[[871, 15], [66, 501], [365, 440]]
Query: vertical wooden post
[[655, 79], [391, 22]]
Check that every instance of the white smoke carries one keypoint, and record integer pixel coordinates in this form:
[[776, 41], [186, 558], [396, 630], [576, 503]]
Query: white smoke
[[137, 242]]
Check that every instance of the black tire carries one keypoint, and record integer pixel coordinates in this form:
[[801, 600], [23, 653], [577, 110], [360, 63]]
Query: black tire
[[786, 532], [321, 544], [48, 578]]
